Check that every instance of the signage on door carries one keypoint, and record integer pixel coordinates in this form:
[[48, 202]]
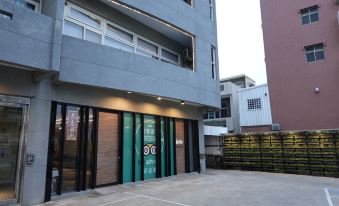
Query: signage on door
[[72, 125]]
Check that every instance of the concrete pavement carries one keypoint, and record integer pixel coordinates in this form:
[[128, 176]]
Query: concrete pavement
[[215, 188]]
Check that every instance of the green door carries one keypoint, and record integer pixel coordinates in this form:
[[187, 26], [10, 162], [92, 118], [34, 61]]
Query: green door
[[149, 147], [128, 147]]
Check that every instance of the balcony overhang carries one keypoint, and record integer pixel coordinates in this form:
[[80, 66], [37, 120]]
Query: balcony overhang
[[165, 28]]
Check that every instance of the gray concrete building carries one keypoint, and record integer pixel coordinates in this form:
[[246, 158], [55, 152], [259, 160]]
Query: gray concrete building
[[102, 92]]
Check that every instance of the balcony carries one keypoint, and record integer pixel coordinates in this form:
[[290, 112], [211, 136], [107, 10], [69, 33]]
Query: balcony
[[117, 48], [27, 36]]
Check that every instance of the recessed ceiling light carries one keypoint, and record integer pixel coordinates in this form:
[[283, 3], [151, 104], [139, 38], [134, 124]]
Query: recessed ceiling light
[[182, 102]]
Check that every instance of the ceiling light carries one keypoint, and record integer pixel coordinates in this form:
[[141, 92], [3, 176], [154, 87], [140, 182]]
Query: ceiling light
[[159, 98], [182, 102]]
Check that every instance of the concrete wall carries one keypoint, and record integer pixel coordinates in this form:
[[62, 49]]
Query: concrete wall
[[292, 81], [231, 91], [258, 116], [97, 65], [27, 37]]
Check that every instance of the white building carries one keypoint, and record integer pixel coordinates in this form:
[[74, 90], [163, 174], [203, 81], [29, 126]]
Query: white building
[[228, 116], [254, 109]]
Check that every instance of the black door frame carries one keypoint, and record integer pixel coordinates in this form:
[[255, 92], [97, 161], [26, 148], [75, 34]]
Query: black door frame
[[83, 144]]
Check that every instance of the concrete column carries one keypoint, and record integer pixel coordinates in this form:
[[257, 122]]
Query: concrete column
[[34, 175], [202, 146]]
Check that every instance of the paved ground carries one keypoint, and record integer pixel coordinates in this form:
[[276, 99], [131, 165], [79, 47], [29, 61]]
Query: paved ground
[[216, 188]]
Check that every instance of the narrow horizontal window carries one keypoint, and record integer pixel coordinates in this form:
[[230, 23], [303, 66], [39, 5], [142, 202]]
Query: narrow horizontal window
[[117, 44], [92, 36], [82, 24], [5, 15], [28, 4], [74, 30], [148, 46], [170, 55], [119, 33], [85, 18]]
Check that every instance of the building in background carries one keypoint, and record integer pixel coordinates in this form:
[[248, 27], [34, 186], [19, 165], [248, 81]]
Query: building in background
[[254, 109], [95, 93], [302, 46], [228, 116]]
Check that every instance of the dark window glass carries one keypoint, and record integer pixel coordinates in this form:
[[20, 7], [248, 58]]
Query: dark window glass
[[310, 57], [205, 116], [309, 15], [305, 20], [314, 17], [319, 55]]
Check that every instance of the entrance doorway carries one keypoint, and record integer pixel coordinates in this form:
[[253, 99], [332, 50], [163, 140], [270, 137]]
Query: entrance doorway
[[13, 114], [71, 149]]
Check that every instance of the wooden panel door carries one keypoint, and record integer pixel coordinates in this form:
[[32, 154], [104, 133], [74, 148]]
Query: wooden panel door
[[180, 145], [108, 145]]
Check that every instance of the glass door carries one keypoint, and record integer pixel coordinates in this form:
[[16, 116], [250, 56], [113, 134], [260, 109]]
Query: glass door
[[12, 119], [71, 149], [149, 147]]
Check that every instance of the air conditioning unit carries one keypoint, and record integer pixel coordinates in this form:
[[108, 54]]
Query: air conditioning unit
[[187, 55], [276, 127]]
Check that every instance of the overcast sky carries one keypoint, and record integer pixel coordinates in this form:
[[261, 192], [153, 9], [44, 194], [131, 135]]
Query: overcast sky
[[241, 47]]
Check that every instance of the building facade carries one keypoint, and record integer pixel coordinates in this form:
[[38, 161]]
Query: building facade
[[228, 116], [255, 109], [302, 45], [94, 93]]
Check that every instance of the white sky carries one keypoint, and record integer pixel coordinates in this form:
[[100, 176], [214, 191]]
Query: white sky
[[240, 41]]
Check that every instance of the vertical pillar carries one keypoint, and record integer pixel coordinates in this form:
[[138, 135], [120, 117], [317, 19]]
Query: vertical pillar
[[202, 146], [37, 135]]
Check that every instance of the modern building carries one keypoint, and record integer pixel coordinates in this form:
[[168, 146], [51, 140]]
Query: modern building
[[228, 116], [302, 46], [100, 92], [255, 109]]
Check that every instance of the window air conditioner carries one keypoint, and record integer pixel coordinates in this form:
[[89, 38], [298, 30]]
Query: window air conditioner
[[187, 55], [276, 127]]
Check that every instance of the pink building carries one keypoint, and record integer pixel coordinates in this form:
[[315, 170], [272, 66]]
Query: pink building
[[302, 58]]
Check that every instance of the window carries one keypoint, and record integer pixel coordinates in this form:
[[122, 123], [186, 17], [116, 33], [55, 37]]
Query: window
[[188, 1], [211, 115], [115, 32], [211, 5], [315, 52], [82, 24], [145, 45], [309, 15], [225, 111], [85, 18], [254, 104], [172, 57], [33, 5], [240, 84], [213, 62], [222, 87]]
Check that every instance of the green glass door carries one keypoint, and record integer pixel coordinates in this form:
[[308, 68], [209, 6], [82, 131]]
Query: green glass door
[[149, 147]]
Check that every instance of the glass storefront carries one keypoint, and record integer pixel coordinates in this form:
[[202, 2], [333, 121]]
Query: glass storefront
[[92, 147]]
